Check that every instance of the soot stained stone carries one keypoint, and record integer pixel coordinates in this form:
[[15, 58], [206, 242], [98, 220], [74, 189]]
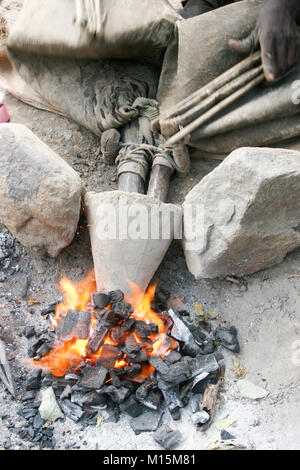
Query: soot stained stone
[[93, 377], [228, 338]]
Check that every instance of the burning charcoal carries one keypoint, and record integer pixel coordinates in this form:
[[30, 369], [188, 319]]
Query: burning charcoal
[[138, 358], [128, 324], [29, 332], [228, 338], [123, 308], [116, 296], [115, 381], [159, 365], [100, 299], [33, 380], [93, 377], [204, 340], [146, 422], [109, 355], [172, 357], [132, 371], [117, 395], [132, 347], [76, 324], [111, 318], [166, 343], [167, 438], [142, 329], [72, 411], [99, 334], [154, 328], [181, 332], [173, 402], [131, 407], [95, 400], [50, 309], [174, 373], [117, 335], [43, 350]]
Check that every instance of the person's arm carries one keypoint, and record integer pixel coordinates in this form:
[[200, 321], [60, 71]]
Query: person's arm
[[279, 37]]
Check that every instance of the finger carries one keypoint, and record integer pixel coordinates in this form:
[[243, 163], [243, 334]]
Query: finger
[[281, 55], [246, 45], [268, 56]]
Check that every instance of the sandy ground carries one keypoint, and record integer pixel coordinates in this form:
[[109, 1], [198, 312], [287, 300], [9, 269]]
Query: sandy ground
[[264, 308]]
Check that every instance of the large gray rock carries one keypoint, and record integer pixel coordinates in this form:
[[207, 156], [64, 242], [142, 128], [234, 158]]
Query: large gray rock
[[40, 194], [248, 213]]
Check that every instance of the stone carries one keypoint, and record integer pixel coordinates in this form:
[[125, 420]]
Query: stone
[[127, 243], [49, 408], [246, 214], [40, 194], [249, 390]]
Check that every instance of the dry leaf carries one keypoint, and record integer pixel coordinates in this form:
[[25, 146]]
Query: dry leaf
[[32, 302]]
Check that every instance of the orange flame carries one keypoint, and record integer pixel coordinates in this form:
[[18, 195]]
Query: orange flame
[[71, 353]]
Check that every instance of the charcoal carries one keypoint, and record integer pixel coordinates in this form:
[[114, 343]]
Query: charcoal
[[137, 358], [202, 364], [93, 377], [73, 377], [116, 296], [29, 412], [181, 332], [204, 340], [128, 324], [159, 365], [29, 332], [117, 395], [49, 309], [98, 336], [95, 400], [123, 308], [79, 397], [66, 392], [226, 436], [150, 398], [146, 422], [131, 407], [173, 373], [76, 324], [201, 417], [111, 415], [33, 347], [28, 396], [154, 328], [33, 380], [166, 343], [142, 329], [198, 384], [43, 350], [167, 438], [173, 402], [133, 370], [109, 355], [132, 347], [115, 378], [48, 337], [111, 318], [172, 357], [117, 335], [194, 403], [227, 337], [100, 299], [72, 410], [160, 300], [38, 422]]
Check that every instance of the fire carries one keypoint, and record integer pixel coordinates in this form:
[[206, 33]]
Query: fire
[[71, 353]]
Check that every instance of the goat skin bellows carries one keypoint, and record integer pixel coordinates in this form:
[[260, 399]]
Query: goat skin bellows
[[107, 29]]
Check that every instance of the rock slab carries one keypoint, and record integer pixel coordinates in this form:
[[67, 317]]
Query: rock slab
[[40, 194], [245, 214]]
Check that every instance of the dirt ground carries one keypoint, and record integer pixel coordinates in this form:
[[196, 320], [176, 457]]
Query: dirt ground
[[264, 308]]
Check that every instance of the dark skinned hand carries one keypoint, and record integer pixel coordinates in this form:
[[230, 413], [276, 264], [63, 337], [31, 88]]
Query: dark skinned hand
[[278, 35]]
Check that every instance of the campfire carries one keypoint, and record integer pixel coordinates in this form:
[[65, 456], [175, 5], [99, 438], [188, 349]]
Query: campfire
[[107, 351]]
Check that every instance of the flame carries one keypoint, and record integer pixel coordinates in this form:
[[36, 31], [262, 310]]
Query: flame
[[71, 353]]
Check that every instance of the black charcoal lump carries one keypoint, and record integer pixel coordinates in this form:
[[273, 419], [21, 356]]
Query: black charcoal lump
[[167, 437], [227, 336]]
